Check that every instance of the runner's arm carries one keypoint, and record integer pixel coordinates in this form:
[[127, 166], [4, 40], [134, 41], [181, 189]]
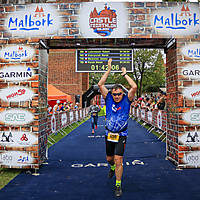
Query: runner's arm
[[103, 89], [132, 91]]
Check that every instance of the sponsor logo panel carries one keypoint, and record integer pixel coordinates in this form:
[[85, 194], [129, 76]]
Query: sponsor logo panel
[[180, 20], [103, 20], [191, 138], [16, 117], [192, 159], [192, 117], [17, 53], [191, 71], [64, 119], [16, 94], [159, 120], [16, 73], [16, 158], [17, 139], [191, 51], [36, 20], [150, 116], [192, 92]]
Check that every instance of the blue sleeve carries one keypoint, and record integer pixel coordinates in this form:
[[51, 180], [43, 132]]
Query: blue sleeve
[[108, 97]]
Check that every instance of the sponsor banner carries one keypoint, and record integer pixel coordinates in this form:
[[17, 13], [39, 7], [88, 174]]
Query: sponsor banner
[[138, 113], [16, 94], [17, 139], [100, 20], [192, 159], [192, 117], [71, 116], [190, 139], [159, 119], [16, 73], [191, 50], [181, 20], [16, 117], [64, 119], [16, 158], [17, 53], [191, 71], [76, 114], [81, 115], [150, 116], [143, 114], [53, 123], [36, 20], [192, 92]]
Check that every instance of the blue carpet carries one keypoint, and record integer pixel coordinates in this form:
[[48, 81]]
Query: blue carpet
[[78, 170]]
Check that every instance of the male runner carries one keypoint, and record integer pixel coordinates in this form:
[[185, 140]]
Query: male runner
[[117, 114], [94, 109]]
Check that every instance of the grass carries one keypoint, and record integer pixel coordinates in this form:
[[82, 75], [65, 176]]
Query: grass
[[6, 174]]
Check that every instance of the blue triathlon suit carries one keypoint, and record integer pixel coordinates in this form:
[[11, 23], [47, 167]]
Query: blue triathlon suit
[[117, 115]]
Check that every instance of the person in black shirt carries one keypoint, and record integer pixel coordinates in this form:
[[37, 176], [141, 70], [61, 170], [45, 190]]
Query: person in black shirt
[[94, 109]]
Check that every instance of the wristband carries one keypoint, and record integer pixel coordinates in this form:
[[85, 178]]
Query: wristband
[[124, 74]]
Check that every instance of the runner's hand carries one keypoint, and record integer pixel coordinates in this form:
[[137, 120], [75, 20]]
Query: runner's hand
[[109, 63], [123, 71]]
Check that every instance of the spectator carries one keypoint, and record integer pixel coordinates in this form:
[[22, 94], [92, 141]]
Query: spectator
[[56, 107], [76, 106]]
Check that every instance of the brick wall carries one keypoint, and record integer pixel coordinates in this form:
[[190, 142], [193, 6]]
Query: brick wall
[[172, 103], [62, 73], [183, 154]]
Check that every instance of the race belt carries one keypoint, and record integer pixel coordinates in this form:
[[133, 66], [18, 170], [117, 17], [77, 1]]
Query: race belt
[[113, 137]]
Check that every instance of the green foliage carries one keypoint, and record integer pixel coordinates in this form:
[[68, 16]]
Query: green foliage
[[154, 78]]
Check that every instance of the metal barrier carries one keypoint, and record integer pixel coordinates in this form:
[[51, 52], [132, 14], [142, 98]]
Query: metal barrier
[[59, 121], [157, 120]]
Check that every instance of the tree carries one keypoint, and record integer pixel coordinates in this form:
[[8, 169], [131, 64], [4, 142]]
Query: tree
[[154, 78], [143, 61]]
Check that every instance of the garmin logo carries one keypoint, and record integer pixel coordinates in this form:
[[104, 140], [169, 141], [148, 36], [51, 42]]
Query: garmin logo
[[16, 73], [37, 19], [191, 71], [13, 53], [180, 20]]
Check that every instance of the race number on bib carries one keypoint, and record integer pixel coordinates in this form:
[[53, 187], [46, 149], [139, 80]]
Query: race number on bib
[[113, 137]]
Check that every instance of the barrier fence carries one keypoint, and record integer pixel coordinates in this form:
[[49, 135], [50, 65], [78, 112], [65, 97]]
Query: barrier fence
[[58, 121], [157, 119]]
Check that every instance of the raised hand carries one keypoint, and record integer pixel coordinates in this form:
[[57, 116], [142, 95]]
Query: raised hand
[[109, 64], [123, 71]]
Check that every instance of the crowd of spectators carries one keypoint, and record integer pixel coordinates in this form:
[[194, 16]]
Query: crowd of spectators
[[62, 106], [151, 102]]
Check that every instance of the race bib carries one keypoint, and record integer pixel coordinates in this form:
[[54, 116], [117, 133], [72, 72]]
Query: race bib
[[94, 114], [113, 137]]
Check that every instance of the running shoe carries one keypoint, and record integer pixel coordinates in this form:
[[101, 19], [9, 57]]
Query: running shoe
[[92, 131], [118, 191], [95, 126], [111, 173]]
